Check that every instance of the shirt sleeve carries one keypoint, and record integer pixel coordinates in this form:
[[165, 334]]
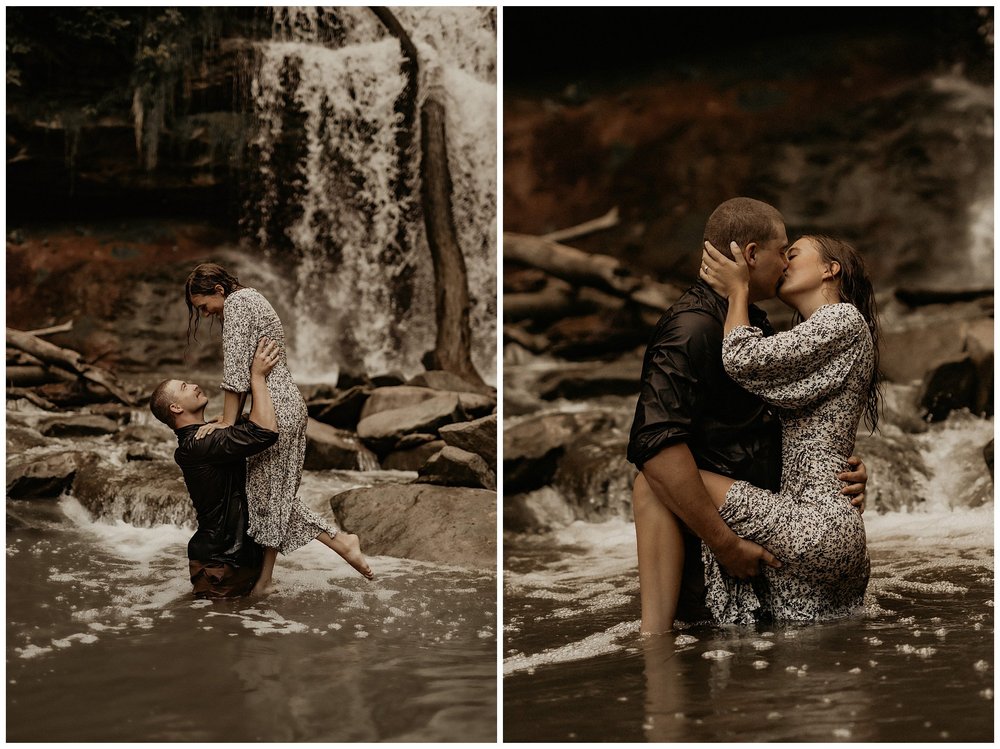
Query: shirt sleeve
[[238, 441], [799, 366], [239, 342], [671, 391]]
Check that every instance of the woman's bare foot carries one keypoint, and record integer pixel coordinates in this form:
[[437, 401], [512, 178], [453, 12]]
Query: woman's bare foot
[[352, 554]]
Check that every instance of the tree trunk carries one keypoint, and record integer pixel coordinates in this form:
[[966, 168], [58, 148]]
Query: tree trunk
[[452, 348], [66, 359]]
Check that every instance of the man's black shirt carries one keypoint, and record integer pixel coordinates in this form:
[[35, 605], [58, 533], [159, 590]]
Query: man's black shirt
[[215, 472], [686, 396]]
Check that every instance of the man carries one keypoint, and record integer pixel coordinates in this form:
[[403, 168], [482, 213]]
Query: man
[[223, 560], [691, 415]]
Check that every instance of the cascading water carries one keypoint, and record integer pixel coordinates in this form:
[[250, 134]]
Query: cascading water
[[338, 190]]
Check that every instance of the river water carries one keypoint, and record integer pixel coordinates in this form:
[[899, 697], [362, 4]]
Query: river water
[[105, 643], [916, 665]]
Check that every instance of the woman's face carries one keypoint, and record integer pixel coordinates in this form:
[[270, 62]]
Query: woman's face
[[806, 270], [209, 304]]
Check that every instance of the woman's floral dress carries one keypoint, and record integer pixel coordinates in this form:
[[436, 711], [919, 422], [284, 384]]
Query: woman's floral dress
[[817, 375], [278, 518]]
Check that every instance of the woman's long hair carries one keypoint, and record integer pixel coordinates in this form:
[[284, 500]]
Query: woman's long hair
[[856, 288], [202, 282]]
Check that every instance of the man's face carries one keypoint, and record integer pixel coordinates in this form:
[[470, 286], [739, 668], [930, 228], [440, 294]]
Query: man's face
[[187, 396], [768, 272]]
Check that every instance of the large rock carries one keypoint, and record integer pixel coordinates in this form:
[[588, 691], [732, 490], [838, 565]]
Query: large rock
[[979, 347], [478, 436], [532, 447], [149, 434], [144, 493], [383, 430], [343, 410], [453, 466], [35, 477], [404, 396], [988, 456], [538, 511], [595, 478], [420, 521], [950, 386], [21, 438], [580, 382], [412, 458], [328, 447], [437, 379], [87, 425], [897, 472]]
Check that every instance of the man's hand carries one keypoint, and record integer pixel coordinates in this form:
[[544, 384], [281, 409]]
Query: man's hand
[[856, 481], [742, 558], [266, 356]]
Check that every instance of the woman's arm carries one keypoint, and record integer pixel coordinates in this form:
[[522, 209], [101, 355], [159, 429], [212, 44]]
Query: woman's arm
[[232, 406]]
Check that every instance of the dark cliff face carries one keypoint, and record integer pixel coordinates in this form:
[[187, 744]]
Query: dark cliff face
[[116, 112], [875, 126]]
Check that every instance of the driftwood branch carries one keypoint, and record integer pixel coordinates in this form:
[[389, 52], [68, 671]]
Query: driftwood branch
[[606, 221], [585, 269], [65, 327], [67, 359]]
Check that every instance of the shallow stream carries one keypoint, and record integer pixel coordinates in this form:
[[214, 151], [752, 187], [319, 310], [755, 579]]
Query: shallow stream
[[916, 665]]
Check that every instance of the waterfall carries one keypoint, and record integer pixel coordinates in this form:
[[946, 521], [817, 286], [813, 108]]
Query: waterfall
[[335, 198]]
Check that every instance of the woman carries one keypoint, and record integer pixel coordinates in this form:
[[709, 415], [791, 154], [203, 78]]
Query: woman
[[279, 521], [821, 375]]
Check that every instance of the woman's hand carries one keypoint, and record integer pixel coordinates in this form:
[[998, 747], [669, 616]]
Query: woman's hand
[[206, 429], [727, 277]]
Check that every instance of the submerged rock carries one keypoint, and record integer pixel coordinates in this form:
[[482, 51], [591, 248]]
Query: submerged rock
[[452, 466], [595, 477], [896, 470], [144, 493], [538, 511], [20, 438], [442, 524]]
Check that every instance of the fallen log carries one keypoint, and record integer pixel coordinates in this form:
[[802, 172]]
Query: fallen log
[[67, 359], [27, 375], [606, 221], [33, 397], [536, 344], [585, 269], [65, 327]]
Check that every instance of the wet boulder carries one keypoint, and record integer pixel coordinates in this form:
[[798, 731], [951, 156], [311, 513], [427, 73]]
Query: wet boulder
[[438, 379], [951, 385], [21, 438], [590, 381], [412, 457], [41, 476], [452, 466], [538, 511], [979, 347], [391, 398], [478, 436], [595, 478], [988, 456], [444, 524], [382, 431], [72, 425], [328, 447], [897, 472], [142, 493], [532, 446], [343, 411], [149, 434]]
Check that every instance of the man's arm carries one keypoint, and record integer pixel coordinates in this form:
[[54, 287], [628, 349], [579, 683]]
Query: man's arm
[[857, 481], [673, 476]]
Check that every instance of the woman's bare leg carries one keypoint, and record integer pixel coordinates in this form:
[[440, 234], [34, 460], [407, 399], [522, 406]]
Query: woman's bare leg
[[717, 486], [660, 548], [349, 547], [264, 581]]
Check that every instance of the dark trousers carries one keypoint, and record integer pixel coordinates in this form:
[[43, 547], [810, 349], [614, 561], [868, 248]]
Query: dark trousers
[[220, 580]]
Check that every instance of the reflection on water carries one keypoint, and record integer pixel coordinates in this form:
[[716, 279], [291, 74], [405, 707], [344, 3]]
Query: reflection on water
[[105, 643], [916, 665]]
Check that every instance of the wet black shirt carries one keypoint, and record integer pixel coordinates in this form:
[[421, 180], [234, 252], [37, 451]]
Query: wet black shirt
[[686, 396], [215, 471]]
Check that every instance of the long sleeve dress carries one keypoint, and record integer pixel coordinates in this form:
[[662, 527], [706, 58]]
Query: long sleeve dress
[[278, 518], [817, 375]]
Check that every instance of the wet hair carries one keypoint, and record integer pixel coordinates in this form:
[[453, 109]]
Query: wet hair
[[203, 281], [742, 220], [159, 404], [855, 287]]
